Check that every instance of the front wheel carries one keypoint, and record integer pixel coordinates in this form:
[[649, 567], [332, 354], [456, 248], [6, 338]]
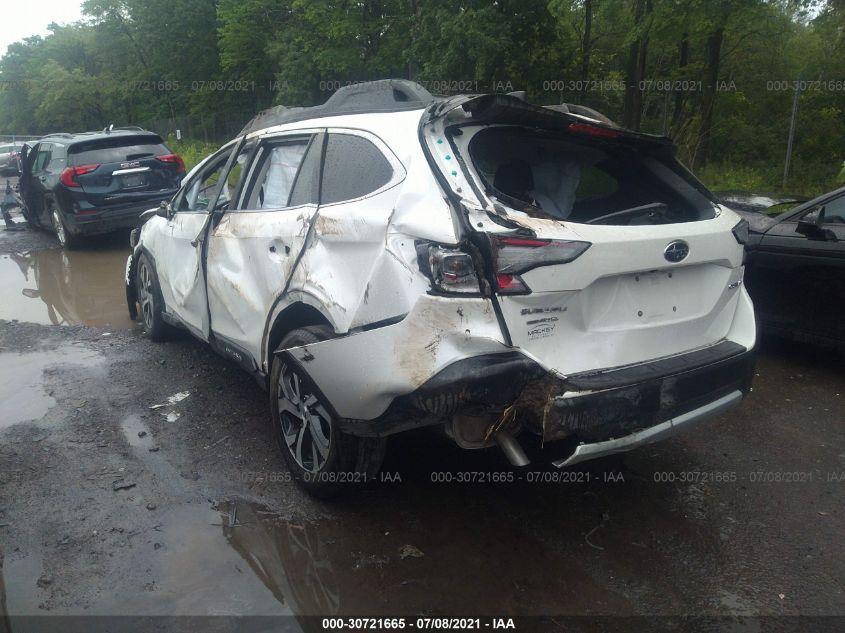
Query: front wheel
[[150, 300], [322, 459]]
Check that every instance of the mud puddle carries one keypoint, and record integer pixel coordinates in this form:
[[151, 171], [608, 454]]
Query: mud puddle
[[240, 558], [23, 394], [58, 287], [136, 432]]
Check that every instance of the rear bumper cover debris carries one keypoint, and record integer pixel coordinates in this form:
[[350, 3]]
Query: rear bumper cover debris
[[660, 431], [619, 402]]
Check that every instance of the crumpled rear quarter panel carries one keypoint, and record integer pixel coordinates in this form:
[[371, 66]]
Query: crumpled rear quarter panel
[[360, 374]]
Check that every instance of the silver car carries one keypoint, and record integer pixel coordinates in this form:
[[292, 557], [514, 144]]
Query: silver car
[[10, 158]]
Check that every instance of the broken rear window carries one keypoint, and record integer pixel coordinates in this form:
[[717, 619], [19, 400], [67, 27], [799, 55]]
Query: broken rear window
[[567, 178]]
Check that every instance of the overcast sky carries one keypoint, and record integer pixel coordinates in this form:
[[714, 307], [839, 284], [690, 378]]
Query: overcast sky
[[22, 18]]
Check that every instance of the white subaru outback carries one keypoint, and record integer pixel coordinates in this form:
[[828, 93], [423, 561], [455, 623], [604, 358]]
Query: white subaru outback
[[514, 273]]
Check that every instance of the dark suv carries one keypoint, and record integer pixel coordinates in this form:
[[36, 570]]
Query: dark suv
[[96, 182]]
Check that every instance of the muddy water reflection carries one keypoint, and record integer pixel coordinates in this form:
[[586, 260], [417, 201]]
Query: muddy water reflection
[[57, 287], [345, 568]]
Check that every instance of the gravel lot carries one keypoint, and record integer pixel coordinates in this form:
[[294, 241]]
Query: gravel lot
[[111, 507]]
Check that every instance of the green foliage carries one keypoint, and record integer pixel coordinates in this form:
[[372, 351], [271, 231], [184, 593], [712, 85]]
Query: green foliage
[[191, 151], [206, 66]]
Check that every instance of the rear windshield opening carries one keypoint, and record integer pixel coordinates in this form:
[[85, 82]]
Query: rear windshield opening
[[565, 178], [116, 150]]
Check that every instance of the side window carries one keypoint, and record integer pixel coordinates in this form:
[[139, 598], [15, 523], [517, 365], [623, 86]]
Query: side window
[[277, 169], [42, 158], [198, 194], [353, 168], [58, 158], [834, 211], [234, 177], [306, 189]]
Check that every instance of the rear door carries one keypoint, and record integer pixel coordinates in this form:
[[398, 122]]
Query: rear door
[[256, 244], [125, 169], [36, 183], [798, 281]]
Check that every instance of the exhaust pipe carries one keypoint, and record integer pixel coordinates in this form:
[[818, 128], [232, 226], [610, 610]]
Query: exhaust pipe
[[511, 448]]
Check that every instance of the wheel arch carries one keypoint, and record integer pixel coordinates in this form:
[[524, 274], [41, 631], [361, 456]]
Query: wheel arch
[[131, 278], [296, 315]]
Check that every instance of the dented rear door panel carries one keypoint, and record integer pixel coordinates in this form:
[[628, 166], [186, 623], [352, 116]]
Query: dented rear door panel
[[253, 251]]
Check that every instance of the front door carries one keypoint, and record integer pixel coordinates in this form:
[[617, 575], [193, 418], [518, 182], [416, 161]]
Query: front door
[[797, 281], [179, 256], [254, 247], [33, 178]]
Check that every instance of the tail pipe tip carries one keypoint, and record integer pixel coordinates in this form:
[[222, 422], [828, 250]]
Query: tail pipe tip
[[511, 448]]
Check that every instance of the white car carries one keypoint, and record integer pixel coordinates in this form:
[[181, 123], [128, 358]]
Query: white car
[[514, 273]]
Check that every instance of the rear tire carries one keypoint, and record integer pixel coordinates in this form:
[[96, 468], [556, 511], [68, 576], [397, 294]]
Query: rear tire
[[323, 460], [65, 237], [150, 300]]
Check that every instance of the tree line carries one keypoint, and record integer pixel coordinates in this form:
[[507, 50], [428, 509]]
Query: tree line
[[718, 76]]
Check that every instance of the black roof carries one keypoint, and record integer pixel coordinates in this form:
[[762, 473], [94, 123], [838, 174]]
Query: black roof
[[398, 95], [66, 137], [384, 95]]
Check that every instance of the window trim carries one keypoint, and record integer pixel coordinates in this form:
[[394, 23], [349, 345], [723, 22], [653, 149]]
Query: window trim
[[197, 172], [399, 171], [251, 147], [268, 140]]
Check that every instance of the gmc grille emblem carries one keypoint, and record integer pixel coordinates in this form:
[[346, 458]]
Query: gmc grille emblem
[[676, 251]]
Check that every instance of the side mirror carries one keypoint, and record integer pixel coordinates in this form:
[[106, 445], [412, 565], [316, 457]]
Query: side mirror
[[812, 226], [164, 210]]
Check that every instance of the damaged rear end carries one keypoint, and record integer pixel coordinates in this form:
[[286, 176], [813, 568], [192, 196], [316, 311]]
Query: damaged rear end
[[592, 292]]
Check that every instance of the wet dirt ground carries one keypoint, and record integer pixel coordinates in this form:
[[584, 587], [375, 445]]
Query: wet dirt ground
[[112, 505]]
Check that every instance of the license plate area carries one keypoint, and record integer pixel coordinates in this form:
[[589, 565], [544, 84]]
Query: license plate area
[[131, 181], [636, 300], [653, 295]]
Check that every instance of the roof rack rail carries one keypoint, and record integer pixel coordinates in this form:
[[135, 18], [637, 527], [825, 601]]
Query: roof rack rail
[[381, 95], [130, 127], [62, 134]]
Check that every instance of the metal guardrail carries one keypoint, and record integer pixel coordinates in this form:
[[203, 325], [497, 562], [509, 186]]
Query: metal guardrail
[[14, 138]]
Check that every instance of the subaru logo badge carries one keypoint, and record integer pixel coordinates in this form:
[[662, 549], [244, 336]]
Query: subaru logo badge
[[676, 251]]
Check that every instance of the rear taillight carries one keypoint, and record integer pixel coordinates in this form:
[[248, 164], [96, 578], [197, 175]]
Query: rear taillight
[[513, 256], [173, 159], [68, 177], [451, 270]]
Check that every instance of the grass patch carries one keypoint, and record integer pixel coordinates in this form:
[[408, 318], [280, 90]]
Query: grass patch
[[804, 179], [192, 152]]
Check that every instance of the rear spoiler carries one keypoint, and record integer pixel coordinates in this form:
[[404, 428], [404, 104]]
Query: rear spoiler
[[510, 110]]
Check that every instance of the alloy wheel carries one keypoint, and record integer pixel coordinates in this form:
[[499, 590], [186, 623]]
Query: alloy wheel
[[304, 420], [145, 294]]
